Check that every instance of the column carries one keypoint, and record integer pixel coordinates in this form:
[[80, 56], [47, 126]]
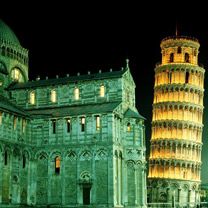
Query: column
[[157, 194], [179, 196], [1, 176], [168, 194], [50, 163], [125, 188], [119, 179], [79, 186], [93, 176], [135, 184], [63, 180], [143, 186], [111, 181], [189, 196], [32, 181]]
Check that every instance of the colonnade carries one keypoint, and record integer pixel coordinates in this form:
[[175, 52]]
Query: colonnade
[[174, 150], [180, 170], [178, 94], [180, 76], [177, 111]]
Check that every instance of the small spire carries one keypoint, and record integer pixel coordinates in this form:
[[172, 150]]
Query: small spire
[[127, 63]]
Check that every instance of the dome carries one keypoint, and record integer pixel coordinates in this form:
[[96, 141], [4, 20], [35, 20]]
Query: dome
[[7, 34]]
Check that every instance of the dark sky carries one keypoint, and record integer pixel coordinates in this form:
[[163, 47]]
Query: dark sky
[[87, 36]]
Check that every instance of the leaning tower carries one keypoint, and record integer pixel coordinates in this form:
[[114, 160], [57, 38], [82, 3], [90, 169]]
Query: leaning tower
[[176, 141]]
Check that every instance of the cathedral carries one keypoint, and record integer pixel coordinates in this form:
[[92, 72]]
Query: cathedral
[[176, 141], [73, 141]]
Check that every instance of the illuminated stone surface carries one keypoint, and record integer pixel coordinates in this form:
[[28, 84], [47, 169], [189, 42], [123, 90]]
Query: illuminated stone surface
[[68, 141], [176, 141]]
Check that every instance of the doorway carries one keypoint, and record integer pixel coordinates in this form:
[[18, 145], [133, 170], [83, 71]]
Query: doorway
[[86, 195]]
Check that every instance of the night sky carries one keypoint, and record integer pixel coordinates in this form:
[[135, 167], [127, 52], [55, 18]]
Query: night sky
[[86, 37]]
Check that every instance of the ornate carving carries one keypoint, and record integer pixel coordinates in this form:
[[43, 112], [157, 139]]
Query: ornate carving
[[72, 156], [85, 177], [86, 155], [101, 154]]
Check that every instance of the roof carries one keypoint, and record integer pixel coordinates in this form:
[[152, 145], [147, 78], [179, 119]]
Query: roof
[[7, 105], [6, 34], [132, 114], [75, 110], [69, 79]]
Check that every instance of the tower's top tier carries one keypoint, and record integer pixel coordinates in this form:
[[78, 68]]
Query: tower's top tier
[[180, 49]]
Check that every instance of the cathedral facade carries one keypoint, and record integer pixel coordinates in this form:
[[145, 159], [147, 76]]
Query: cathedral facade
[[75, 141], [176, 141]]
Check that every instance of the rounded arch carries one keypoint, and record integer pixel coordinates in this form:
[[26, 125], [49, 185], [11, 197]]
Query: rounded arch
[[17, 74], [162, 197], [194, 186], [17, 152], [185, 187], [116, 153], [54, 154], [175, 185], [171, 57], [130, 164], [187, 57], [26, 153], [139, 162]]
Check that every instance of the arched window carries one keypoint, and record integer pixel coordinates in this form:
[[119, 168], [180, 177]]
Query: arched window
[[179, 50], [82, 123], [76, 93], [32, 97], [57, 165], [195, 52], [128, 127], [6, 157], [53, 126], [16, 75], [53, 96], [187, 58], [187, 77], [97, 123], [23, 161], [68, 123], [102, 91], [171, 57]]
